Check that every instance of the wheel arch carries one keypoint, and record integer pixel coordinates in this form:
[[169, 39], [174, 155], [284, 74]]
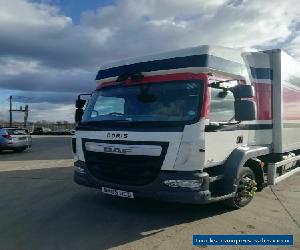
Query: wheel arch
[[245, 156], [256, 166]]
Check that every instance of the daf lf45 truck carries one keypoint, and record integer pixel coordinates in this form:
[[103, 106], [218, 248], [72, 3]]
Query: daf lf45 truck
[[195, 125]]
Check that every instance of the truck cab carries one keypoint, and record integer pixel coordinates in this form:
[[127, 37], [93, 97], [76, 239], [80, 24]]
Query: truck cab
[[180, 126]]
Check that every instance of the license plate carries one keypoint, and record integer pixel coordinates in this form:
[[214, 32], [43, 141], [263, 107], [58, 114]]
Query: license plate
[[115, 192]]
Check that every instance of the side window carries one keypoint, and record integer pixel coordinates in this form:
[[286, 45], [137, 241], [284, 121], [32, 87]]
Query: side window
[[221, 106], [107, 105]]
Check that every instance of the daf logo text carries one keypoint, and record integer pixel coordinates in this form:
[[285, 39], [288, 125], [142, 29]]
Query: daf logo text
[[117, 150]]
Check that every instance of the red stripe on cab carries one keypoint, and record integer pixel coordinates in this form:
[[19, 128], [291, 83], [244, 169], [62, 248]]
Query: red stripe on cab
[[157, 78]]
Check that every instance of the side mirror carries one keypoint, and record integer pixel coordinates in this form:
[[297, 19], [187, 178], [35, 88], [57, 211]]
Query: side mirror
[[80, 103], [245, 110], [79, 107], [78, 115], [243, 91]]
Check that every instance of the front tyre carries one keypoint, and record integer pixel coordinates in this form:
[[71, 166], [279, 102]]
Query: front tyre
[[246, 188]]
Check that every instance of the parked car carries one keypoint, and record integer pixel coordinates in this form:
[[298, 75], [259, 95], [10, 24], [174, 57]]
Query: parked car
[[16, 139]]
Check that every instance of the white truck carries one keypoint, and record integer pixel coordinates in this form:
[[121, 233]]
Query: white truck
[[195, 125]]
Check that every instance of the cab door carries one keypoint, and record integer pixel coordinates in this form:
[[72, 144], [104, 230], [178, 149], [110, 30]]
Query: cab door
[[222, 133]]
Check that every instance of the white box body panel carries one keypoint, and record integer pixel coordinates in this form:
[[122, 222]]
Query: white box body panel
[[276, 78], [290, 79], [285, 101]]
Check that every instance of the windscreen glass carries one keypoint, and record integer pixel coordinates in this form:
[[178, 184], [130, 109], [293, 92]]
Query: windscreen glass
[[165, 101]]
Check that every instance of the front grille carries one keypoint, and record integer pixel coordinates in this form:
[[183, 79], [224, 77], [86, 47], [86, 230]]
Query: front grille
[[134, 170]]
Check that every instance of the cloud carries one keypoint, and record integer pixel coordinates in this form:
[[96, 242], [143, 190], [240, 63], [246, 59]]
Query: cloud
[[44, 111], [42, 50], [40, 32], [151, 26], [44, 97], [129, 28], [73, 81], [2, 113], [51, 112], [294, 46], [42, 105]]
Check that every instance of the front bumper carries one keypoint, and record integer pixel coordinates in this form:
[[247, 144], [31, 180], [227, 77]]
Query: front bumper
[[157, 189]]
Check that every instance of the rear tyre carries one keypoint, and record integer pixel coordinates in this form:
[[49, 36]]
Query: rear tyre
[[246, 188]]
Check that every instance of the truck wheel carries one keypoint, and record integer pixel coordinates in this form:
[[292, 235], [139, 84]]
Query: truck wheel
[[246, 188]]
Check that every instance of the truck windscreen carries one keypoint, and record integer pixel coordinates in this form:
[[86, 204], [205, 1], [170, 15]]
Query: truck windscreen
[[176, 101]]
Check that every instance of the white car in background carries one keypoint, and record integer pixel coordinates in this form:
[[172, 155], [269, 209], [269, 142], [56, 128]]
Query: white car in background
[[16, 139]]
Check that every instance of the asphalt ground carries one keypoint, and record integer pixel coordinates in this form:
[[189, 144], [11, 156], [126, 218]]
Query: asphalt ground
[[42, 208]]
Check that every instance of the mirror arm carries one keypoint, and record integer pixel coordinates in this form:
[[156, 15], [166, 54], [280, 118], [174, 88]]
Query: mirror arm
[[216, 86], [79, 96]]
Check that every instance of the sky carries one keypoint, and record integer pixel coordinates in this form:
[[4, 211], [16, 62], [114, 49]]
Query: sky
[[50, 50]]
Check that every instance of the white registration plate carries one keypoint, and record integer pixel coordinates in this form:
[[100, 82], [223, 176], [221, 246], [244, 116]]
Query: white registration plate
[[115, 192]]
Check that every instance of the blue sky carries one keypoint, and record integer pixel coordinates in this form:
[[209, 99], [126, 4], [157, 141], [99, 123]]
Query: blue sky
[[50, 50], [74, 9]]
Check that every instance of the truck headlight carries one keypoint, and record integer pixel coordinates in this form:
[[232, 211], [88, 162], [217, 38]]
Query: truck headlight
[[191, 184], [79, 167], [79, 170]]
